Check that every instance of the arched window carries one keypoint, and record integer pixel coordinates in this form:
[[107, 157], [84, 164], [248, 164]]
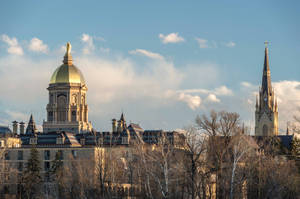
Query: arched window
[[62, 100], [265, 130], [73, 116]]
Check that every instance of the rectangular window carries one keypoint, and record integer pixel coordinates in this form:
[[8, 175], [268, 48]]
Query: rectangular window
[[47, 155], [20, 155], [47, 166], [20, 166], [47, 177], [60, 155], [2, 143], [74, 154], [7, 156]]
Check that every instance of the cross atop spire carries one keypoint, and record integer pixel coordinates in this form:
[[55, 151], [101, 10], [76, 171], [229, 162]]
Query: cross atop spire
[[266, 44]]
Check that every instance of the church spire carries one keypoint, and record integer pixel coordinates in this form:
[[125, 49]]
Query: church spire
[[31, 127], [266, 78]]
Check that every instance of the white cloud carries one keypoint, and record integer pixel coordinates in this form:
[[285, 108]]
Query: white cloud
[[222, 90], [246, 84], [212, 98], [230, 44], [38, 45], [13, 45], [288, 93], [146, 53], [88, 43], [203, 43], [171, 38], [192, 101]]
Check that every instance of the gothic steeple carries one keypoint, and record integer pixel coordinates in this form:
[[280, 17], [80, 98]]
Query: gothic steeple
[[266, 78], [266, 113], [31, 127]]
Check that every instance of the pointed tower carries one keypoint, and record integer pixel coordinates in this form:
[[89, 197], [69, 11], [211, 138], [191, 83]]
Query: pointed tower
[[31, 127], [122, 123], [266, 113]]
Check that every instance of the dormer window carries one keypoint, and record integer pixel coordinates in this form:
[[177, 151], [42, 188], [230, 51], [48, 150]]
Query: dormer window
[[124, 140], [59, 140], [82, 141], [100, 141], [33, 140]]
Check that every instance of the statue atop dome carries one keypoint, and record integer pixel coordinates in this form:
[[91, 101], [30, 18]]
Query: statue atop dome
[[68, 57], [69, 47]]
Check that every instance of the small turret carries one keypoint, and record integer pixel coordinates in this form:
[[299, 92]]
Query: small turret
[[121, 123]]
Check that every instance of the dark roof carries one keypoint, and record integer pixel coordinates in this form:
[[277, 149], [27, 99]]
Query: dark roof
[[49, 139], [5, 131], [286, 140]]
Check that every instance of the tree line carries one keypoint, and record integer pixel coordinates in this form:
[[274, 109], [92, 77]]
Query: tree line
[[216, 159]]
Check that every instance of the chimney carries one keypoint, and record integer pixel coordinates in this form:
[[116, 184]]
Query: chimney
[[22, 128], [15, 127]]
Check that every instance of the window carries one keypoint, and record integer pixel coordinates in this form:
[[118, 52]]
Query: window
[[82, 141], [47, 166], [7, 156], [47, 155], [47, 177], [51, 99], [74, 154], [20, 166], [124, 140], [33, 140], [50, 116], [20, 155], [265, 130], [100, 141], [59, 140], [73, 118], [60, 155], [2, 143]]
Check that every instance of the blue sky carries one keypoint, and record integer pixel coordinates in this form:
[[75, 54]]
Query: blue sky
[[216, 45]]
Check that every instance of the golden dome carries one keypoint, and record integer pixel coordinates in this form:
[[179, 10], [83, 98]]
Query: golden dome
[[67, 72]]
